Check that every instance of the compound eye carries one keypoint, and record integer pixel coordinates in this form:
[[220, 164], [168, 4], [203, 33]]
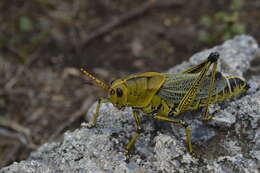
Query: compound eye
[[112, 92], [119, 92]]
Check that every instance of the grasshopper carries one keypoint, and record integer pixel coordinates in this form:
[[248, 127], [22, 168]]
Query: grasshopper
[[164, 96]]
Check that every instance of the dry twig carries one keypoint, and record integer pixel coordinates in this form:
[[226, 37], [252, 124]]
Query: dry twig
[[21, 130], [75, 116], [136, 12]]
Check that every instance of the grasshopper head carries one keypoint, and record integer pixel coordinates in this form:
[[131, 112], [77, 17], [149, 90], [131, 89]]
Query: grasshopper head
[[117, 90], [118, 94]]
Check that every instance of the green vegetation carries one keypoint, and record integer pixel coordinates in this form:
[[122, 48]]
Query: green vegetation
[[23, 37], [222, 25]]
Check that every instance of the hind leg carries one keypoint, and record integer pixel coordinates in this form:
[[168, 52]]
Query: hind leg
[[183, 124]]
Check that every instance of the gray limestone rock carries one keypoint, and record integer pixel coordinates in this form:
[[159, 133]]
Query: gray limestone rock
[[227, 143]]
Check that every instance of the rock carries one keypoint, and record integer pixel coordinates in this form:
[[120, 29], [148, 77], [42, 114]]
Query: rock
[[227, 143]]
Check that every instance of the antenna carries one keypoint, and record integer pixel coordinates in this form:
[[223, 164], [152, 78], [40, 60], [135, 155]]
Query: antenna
[[99, 83]]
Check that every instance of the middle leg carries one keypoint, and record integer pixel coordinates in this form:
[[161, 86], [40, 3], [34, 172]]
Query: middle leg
[[134, 138]]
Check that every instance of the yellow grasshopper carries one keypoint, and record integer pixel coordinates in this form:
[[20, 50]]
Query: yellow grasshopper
[[164, 96]]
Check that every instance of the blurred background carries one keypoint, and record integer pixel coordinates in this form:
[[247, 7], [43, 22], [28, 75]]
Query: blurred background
[[43, 43]]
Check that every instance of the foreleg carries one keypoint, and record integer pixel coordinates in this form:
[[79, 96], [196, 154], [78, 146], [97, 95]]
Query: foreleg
[[93, 122]]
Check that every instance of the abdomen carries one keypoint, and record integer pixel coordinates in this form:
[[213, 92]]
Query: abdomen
[[234, 86], [177, 85]]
